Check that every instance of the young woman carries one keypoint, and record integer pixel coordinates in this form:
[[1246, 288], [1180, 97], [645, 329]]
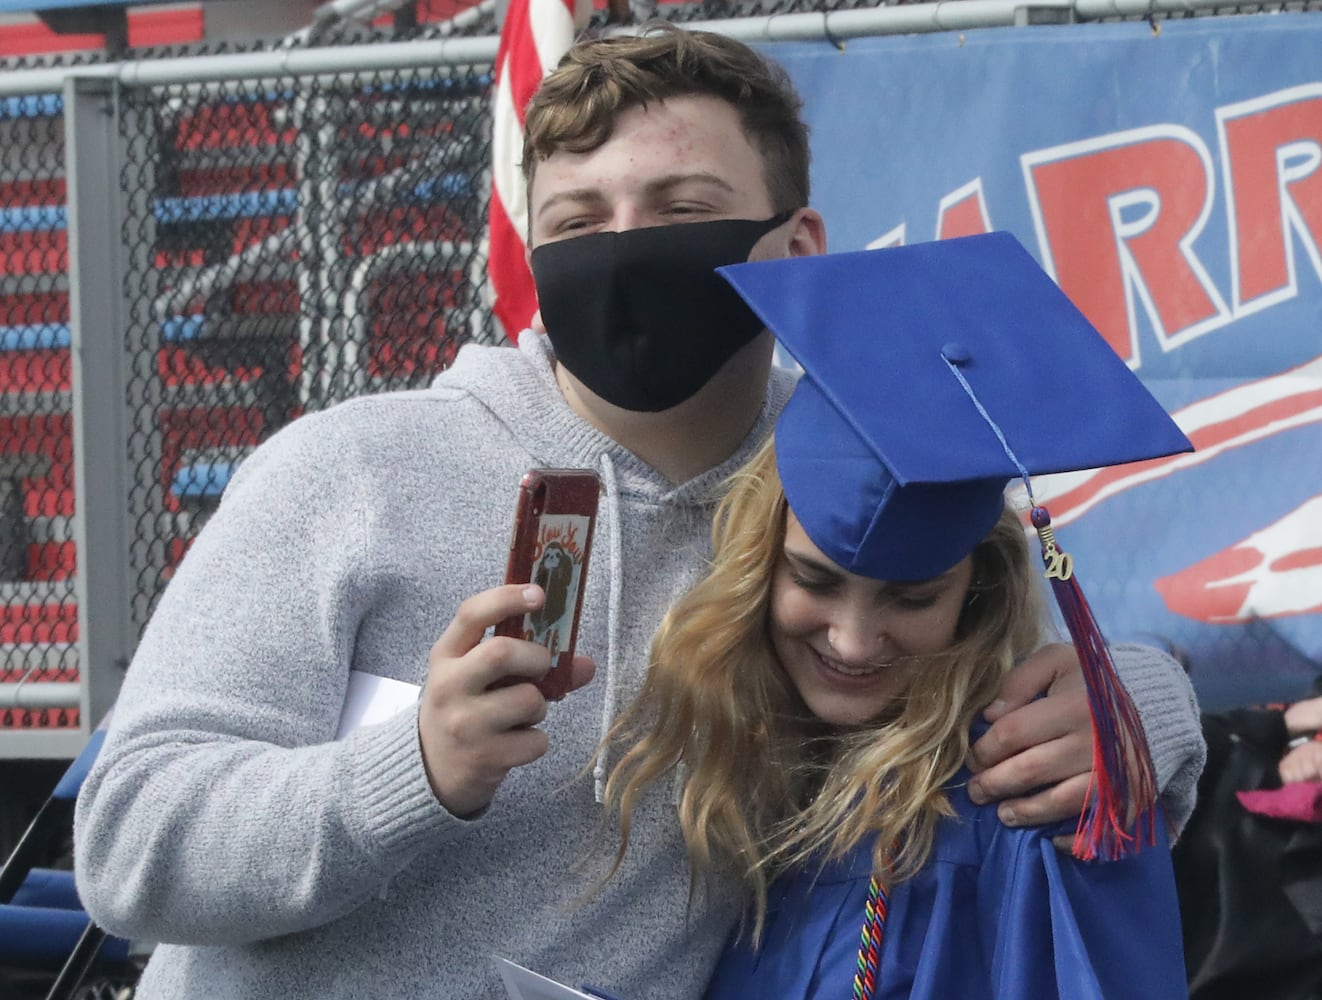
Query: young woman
[[815, 694]]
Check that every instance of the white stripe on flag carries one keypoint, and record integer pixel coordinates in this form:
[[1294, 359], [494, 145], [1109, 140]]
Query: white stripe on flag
[[506, 148]]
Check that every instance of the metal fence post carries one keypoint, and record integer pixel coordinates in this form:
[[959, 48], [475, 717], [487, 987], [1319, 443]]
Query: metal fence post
[[99, 313]]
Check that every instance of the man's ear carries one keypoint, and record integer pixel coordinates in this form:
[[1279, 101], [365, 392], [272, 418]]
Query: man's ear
[[536, 322], [808, 236]]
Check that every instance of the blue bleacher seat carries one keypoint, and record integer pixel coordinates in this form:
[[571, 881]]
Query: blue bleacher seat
[[200, 481], [42, 6], [32, 106], [43, 927], [26, 218], [238, 205], [449, 185], [53, 888], [46, 9], [37, 337], [177, 329], [284, 201]]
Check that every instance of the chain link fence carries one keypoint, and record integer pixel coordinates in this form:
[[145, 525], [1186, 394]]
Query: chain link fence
[[297, 242], [37, 613], [290, 241]]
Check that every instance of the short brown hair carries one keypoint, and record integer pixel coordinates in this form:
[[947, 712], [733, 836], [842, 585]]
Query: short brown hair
[[577, 105]]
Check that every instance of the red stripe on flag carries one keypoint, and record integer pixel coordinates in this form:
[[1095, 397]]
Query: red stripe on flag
[[515, 296], [519, 66], [518, 55]]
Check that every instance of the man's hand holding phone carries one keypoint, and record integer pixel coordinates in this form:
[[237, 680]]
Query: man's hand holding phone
[[473, 728]]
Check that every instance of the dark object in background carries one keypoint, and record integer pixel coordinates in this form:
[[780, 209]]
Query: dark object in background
[[13, 532], [1250, 887]]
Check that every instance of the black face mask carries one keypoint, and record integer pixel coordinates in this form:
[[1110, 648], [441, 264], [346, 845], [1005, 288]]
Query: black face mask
[[641, 317]]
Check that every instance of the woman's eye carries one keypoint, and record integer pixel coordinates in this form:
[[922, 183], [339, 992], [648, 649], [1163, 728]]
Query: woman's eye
[[814, 585], [915, 602]]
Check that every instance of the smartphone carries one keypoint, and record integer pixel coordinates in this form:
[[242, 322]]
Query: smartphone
[[552, 539]]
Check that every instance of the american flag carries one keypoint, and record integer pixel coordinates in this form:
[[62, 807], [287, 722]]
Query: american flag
[[536, 33]]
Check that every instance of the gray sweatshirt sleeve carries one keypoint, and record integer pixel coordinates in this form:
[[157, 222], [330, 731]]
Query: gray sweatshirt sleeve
[[1169, 709], [219, 810]]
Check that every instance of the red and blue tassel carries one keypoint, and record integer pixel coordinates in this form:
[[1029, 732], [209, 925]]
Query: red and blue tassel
[[1123, 779]]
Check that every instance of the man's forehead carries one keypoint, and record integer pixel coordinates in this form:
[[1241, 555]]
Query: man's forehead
[[682, 142]]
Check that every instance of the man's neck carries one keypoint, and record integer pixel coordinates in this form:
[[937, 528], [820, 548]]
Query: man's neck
[[698, 434]]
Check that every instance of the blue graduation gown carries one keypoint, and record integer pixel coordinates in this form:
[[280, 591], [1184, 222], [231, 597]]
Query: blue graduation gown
[[995, 913]]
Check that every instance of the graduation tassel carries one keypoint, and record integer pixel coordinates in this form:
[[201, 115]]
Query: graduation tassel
[[1122, 778]]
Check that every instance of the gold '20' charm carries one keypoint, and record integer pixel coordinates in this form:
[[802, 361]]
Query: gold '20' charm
[[1059, 564]]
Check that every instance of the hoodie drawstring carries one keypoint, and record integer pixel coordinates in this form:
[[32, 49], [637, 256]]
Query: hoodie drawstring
[[612, 622]]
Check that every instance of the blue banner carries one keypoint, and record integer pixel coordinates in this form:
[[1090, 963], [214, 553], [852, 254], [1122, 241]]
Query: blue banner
[[1170, 179]]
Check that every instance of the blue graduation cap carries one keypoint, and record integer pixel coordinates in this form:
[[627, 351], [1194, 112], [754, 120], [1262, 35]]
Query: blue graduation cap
[[933, 375]]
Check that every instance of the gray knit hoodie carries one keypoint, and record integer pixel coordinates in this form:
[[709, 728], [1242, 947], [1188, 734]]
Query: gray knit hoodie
[[222, 818]]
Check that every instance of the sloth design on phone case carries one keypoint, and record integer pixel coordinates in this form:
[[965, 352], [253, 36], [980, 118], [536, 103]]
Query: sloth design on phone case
[[555, 575]]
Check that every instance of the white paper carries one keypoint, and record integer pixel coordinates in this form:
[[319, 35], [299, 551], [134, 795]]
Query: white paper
[[370, 699], [523, 984]]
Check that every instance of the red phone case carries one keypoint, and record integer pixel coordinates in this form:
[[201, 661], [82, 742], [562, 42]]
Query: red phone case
[[550, 545]]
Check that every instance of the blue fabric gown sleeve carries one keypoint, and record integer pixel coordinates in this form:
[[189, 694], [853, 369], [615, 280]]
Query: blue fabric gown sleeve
[[1054, 926], [996, 914]]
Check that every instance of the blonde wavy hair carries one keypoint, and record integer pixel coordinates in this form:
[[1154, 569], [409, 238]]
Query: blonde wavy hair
[[765, 785]]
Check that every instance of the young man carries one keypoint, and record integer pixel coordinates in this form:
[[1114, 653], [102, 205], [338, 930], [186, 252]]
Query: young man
[[223, 817]]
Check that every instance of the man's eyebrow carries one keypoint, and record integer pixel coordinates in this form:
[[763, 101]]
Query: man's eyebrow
[[577, 196], [702, 176]]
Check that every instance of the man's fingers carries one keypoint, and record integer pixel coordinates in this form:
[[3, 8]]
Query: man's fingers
[[470, 741], [581, 670], [483, 611], [524, 746], [460, 663], [517, 706], [1063, 801], [476, 722], [1030, 727], [467, 722], [1031, 677], [1042, 764], [497, 662]]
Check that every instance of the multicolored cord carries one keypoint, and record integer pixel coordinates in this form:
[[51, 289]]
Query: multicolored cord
[[869, 945]]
